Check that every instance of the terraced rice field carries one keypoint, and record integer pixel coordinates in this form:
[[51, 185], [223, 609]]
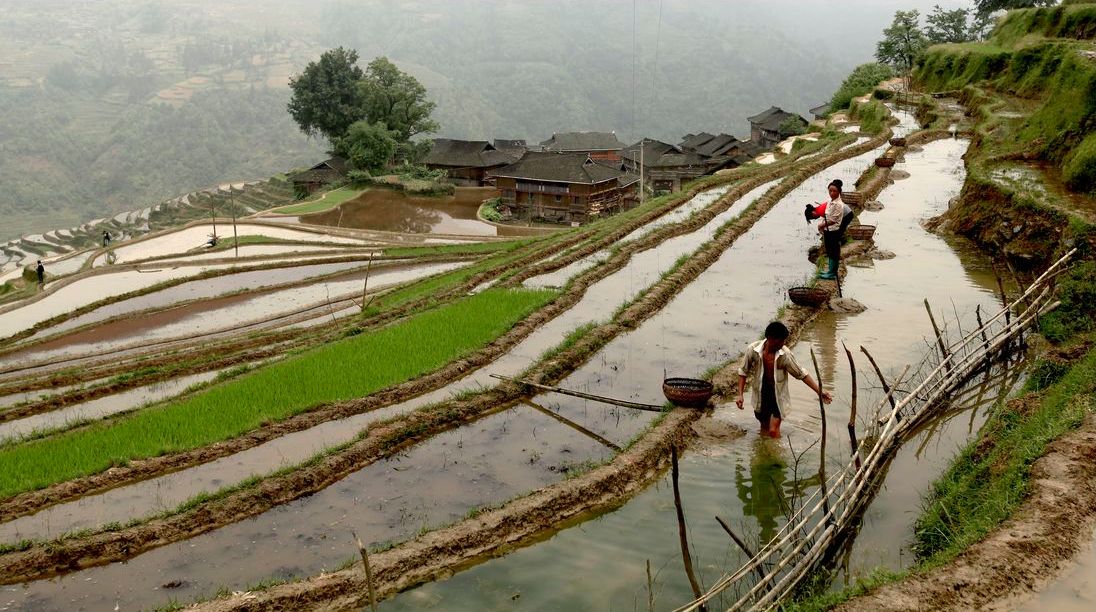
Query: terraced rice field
[[180, 423]]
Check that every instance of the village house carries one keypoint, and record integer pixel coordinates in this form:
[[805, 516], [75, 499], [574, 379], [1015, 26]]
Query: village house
[[666, 167], [466, 162], [821, 111], [563, 187], [598, 145], [767, 129], [325, 173]]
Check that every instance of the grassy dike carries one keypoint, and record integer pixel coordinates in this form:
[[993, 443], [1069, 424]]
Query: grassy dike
[[370, 361]]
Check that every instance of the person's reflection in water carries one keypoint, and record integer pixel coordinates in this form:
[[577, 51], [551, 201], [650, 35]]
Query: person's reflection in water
[[762, 490], [769, 492]]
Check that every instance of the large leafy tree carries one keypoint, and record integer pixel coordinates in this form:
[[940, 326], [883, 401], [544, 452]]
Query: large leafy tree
[[327, 97], [902, 41], [396, 99], [985, 7], [944, 26], [368, 146]]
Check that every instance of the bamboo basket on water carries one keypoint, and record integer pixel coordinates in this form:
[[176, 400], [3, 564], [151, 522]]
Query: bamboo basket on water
[[898, 141], [687, 392], [861, 232], [853, 198]]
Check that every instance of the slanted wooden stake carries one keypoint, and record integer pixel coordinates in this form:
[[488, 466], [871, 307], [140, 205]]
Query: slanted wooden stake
[[985, 338], [368, 572], [650, 589], [822, 446], [365, 286], [879, 373], [944, 354], [746, 549], [852, 408], [681, 533], [589, 396]]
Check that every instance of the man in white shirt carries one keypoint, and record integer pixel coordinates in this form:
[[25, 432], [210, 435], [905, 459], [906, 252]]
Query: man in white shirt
[[767, 365]]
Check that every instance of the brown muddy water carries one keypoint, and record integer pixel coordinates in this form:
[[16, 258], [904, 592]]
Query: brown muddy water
[[1072, 591], [395, 211], [99, 408], [748, 482], [233, 314], [89, 290], [156, 495]]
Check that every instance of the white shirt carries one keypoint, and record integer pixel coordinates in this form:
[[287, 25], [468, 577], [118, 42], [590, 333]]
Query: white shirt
[[752, 367]]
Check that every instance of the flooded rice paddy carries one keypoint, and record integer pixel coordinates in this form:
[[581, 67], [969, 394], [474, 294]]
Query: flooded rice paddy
[[234, 313], [396, 211], [193, 238], [748, 482]]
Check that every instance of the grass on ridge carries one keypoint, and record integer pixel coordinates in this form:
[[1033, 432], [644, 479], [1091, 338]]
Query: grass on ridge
[[352, 367], [328, 200]]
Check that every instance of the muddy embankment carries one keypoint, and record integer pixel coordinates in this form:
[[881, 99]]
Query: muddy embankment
[[1025, 552], [386, 438]]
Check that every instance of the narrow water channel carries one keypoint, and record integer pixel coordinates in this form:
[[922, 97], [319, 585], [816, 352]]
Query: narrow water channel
[[747, 482]]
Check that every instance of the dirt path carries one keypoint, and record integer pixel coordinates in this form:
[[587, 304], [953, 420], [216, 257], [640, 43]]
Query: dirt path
[[1023, 554]]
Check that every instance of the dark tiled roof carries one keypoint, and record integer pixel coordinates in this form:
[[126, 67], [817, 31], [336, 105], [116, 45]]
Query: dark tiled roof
[[583, 141], [773, 118], [326, 170], [692, 141], [821, 109], [560, 168], [717, 146], [652, 150], [466, 154]]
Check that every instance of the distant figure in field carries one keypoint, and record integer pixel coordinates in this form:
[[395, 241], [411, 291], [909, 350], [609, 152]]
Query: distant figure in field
[[836, 217], [766, 365], [41, 270], [106, 237]]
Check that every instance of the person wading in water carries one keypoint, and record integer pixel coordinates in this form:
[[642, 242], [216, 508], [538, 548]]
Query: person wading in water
[[836, 217], [766, 365]]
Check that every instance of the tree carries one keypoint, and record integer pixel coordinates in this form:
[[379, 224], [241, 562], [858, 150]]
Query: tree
[[944, 26], [327, 97], [368, 146], [860, 81], [792, 126], [396, 99], [902, 42], [986, 7]]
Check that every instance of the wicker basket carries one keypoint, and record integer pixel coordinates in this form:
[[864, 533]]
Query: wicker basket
[[884, 162], [898, 141], [808, 296], [853, 198], [861, 232], [687, 392]]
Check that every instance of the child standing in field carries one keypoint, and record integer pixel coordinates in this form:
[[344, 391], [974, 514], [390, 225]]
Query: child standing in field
[[766, 365]]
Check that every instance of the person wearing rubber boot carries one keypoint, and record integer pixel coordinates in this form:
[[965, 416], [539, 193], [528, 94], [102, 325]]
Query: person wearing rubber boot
[[834, 222], [767, 365]]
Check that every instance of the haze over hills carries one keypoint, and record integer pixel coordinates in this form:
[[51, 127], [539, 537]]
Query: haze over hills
[[117, 104]]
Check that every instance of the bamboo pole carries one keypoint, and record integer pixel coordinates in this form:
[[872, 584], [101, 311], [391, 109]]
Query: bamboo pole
[[682, 535], [852, 407], [741, 544], [879, 373], [822, 446], [650, 589], [944, 354], [580, 394], [368, 572], [572, 424], [365, 285]]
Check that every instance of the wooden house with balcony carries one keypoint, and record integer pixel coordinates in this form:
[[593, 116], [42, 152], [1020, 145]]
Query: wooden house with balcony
[[564, 187], [328, 172], [598, 145], [467, 162]]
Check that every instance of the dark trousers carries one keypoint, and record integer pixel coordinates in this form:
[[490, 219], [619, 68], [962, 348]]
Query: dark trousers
[[833, 240]]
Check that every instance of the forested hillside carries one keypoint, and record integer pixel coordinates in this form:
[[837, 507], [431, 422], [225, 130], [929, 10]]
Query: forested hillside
[[116, 104]]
